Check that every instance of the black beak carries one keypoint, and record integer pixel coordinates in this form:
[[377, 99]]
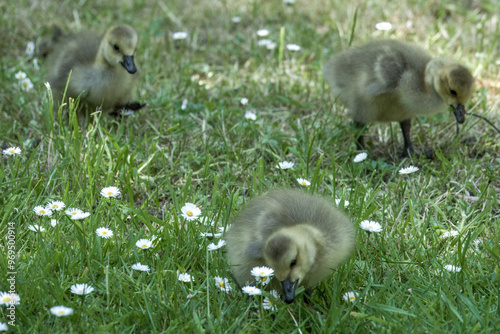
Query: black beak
[[289, 289], [128, 63], [459, 112]]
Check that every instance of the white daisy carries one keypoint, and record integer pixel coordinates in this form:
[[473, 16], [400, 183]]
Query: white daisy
[[303, 182], [30, 48], [53, 222], [285, 165], [36, 228], [211, 235], [370, 226], [190, 211], [3, 327], [222, 283], [81, 289], [408, 170], [251, 116], [81, 215], [9, 298], [185, 278], [350, 296], [20, 75], [269, 304], [56, 205], [262, 32], [12, 151], [213, 246], [451, 233], [264, 42], [140, 267], [360, 157], [180, 35], [293, 47], [451, 268], [338, 200], [104, 232], [144, 243], [41, 211], [73, 211], [244, 101], [236, 19], [262, 274], [61, 311], [383, 26], [110, 192], [251, 290], [26, 84]]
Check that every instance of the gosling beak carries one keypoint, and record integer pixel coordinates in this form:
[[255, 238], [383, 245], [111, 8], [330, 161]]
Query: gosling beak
[[289, 289], [459, 112], [128, 63]]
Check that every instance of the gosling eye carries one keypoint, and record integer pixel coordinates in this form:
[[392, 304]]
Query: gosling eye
[[116, 47], [293, 263], [453, 92]]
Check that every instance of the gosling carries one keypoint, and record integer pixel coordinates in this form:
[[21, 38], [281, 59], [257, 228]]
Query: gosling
[[103, 71], [302, 237], [394, 81]]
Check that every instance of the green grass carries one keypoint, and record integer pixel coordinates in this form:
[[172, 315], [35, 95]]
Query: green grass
[[208, 154]]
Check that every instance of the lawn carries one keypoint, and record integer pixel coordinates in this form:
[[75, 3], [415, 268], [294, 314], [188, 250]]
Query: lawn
[[433, 268]]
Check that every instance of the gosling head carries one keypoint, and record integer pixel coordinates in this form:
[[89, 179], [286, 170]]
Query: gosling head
[[292, 257], [453, 82], [119, 44]]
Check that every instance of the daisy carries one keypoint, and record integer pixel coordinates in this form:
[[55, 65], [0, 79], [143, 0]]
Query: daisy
[[293, 47], [350, 296], [211, 235], [144, 243], [236, 19], [12, 151], [338, 200], [262, 32], [285, 165], [81, 215], [56, 205], [408, 170], [383, 26], [53, 222], [26, 84], [35, 64], [268, 304], [303, 182], [20, 75], [451, 268], [370, 226], [190, 211], [3, 327], [8, 298], [184, 104], [264, 42], [110, 192], [81, 289], [73, 211], [30, 48], [262, 274], [222, 283], [251, 116], [140, 267], [180, 35], [360, 157], [36, 228], [213, 246], [154, 239], [185, 278], [451, 233], [244, 101], [251, 290], [61, 311], [41, 211], [103, 232]]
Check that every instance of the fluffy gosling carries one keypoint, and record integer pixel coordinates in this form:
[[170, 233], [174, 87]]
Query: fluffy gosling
[[103, 71], [394, 81], [302, 237]]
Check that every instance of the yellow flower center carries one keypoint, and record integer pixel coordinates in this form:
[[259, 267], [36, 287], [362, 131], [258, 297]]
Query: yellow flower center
[[104, 232], [6, 299], [25, 84], [264, 278], [304, 183], [271, 303], [42, 212], [110, 193], [144, 246], [189, 213], [73, 213], [61, 312], [352, 298], [11, 151], [221, 284]]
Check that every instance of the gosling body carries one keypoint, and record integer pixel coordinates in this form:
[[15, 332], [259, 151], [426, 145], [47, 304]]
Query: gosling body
[[302, 237], [103, 70], [394, 81]]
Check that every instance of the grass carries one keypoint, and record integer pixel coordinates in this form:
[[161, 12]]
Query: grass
[[209, 155]]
